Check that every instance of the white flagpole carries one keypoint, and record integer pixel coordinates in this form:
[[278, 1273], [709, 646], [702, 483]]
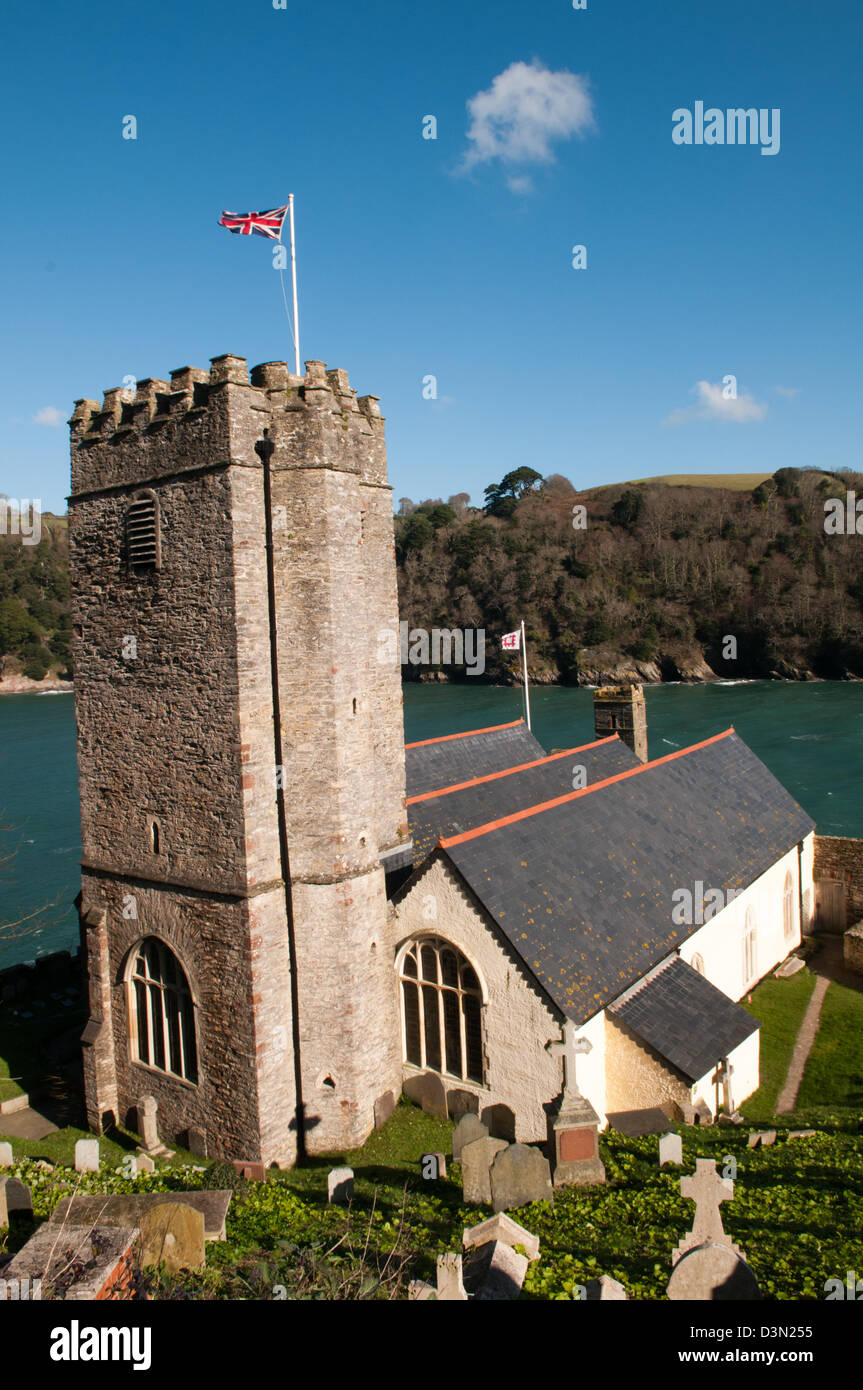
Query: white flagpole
[[294, 285], [524, 667]]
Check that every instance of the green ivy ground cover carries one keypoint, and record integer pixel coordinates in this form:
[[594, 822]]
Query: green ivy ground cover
[[797, 1213]]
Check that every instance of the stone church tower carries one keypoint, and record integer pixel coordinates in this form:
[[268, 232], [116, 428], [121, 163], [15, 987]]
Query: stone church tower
[[240, 752]]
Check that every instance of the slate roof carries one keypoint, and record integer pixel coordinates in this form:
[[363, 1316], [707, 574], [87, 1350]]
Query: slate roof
[[685, 1018], [582, 886], [439, 762], [453, 810]]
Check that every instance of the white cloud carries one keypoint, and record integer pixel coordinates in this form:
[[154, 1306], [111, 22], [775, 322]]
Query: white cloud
[[713, 404], [48, 415], [526, 108], [789, 392]]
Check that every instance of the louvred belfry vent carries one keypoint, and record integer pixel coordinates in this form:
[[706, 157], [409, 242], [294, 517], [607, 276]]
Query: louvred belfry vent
[[143, 541]]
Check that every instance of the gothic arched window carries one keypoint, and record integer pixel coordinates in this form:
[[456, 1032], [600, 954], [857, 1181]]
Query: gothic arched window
[[750, 948], [441, 1010], [162, 1012], [788, 907]]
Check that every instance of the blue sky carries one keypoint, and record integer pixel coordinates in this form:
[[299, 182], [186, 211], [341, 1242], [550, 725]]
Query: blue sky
[[418, 258]]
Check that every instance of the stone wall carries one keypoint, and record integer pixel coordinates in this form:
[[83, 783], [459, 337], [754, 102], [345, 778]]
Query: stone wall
[[636, 1077], [840, 859], [852, 947]]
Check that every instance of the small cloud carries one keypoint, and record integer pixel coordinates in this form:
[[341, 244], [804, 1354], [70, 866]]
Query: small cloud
[[520, 183], [48, 415], [789, 392], [524, 111], [714, 404]]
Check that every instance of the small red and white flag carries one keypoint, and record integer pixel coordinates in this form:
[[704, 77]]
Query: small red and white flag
[[511, 641]]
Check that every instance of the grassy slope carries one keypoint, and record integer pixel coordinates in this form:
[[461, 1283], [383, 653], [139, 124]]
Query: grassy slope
[[834, 1072], [779, 1005]]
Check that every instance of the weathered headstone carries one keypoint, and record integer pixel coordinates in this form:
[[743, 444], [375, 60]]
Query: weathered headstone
[[576, 1125], [501, 1227], [802, 1133], [78, 1262], [384, 1107], [670, 1149], [494, 1271], [130, 1209], [450, 1285], [6, 1159], [419, 1291], [15, 1196], [499, 1120], [790, 967], [467, 1131], [340, 1186], [712, 1272], [604, 1290], [460, 1102], [87, 1156], [707, 1190], [144, 1164], [196, 1143], [432, 1167], [520, 1175], [427, 1091], [172, 1234], [476, 1160], [146, 1108]]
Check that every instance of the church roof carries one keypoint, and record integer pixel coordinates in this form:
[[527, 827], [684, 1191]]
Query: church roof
[[451, 810], [581, 885], [439, 762], [684, 1018]]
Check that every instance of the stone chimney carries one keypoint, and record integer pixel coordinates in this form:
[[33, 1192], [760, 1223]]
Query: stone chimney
[[620, 709]]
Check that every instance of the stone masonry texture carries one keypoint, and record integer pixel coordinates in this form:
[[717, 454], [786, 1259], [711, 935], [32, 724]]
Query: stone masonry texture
[[178, 711]]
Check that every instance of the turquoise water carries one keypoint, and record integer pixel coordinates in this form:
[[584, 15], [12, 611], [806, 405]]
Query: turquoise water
[[809, 735]]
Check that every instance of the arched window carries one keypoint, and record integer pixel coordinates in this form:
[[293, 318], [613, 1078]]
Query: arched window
[[162, 1012], [441, 1010], [788, 907], [698, 963], [750, 951]]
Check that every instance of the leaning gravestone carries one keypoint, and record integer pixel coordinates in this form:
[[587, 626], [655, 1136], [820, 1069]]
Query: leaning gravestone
[[670, 1149], [494, 1271], [502, 1228], [500, 1122], [520, 1175], [467, 1131], [131, 1209], [172, 1234], [476, 1160], [6, 1159], [460, 1103], [340, 1186], [604, 1290], [427, 1091], [87, 1156]]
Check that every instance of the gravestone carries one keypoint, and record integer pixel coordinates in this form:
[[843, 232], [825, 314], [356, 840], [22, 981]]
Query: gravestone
[[450, 1284], [576, 1125], [384, 1107], [172, 1234], [460, 1103], [432, 1167], [89, 1263], [196, 1143], [15, 1196], [499, 1120], [494, 1271], [6, 1159], [712, 1272], [790, 967], [707, 1190], [130, 1209], [427, 1091], [340, 1186], [476, 1160], [762, 1137], [520, 1175], [501, 1227], [670, 1149], [146, 1108], [467, 1131], [87, 1156], [419, 1291], [144, 1164], [604, 1290], [802, 1133]]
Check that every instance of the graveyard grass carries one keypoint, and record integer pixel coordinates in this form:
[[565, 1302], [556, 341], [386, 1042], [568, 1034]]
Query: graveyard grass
[[834, 1071], [779, 1005], [795, 1212]]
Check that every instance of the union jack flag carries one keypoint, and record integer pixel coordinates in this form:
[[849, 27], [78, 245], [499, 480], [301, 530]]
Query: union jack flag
[[267, 223]]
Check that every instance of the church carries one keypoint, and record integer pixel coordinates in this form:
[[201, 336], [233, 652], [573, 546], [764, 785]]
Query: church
[[287, 916]]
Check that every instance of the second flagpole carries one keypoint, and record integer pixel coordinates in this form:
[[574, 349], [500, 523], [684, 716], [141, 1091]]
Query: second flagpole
[[524, 667], [294, 284]]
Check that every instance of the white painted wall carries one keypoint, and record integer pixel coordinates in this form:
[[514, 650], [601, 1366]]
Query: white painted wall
[[744, 1076]]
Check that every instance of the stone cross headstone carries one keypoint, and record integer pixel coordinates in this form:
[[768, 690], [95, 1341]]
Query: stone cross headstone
[[6, 1159], [519, 1175], [570, 1049], [670, 1149], [501, 1227], [707, 1190], [340, 1186], [172, 1234], [146, 1107], [467, 1131], [722, 1077], [87, 1156], [476, 1160]]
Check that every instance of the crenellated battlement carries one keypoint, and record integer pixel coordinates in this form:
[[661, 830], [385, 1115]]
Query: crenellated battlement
[[213, 416]]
